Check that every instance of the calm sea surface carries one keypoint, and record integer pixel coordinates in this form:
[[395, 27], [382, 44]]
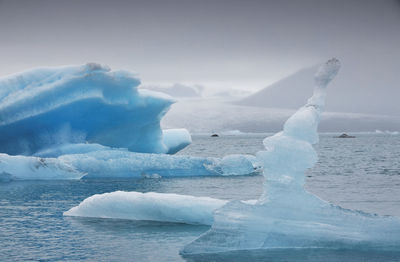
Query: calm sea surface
[[361, 173]]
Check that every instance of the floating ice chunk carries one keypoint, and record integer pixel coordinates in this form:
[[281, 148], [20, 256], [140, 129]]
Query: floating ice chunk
[[47, 107], [287, 216], [114, 163], [96, 161], [176, 139], [149, 206], [35, 168]]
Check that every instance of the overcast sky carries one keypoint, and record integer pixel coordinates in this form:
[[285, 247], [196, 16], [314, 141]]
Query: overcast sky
[[243, 44]]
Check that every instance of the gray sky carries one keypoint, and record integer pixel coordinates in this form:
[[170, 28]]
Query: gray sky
[[243, 44]]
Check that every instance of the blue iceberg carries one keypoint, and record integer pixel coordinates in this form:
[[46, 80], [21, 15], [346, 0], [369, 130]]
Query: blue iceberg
[[47, 107]]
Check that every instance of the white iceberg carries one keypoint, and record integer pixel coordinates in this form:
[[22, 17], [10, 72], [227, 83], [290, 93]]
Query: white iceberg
[[286, 215], [149, 206], [48, 107]]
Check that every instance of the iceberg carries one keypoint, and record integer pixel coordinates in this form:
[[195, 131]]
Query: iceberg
[[48, 107], [286, 215], [149, 206]]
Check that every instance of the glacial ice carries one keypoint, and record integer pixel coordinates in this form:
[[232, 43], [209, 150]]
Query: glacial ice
[[233, 165], [176, 139], [149, 206], [125, 164], [286, 215], [110, 163], [45, 108], [33, 168], [74, 161]]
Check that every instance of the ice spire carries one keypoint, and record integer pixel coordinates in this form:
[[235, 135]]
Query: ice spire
[[289, 153], [286, 215]]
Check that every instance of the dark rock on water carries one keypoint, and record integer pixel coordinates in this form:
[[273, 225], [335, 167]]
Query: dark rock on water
[[344, 136], [214, 135]]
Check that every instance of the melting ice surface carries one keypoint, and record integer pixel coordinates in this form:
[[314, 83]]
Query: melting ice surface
[[286, 215]]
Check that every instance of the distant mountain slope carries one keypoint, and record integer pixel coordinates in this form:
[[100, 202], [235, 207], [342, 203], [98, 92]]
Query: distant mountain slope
[[357, 89], [290, 92], [207, 116]]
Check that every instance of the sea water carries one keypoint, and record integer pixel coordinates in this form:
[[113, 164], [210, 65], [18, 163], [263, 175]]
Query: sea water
[[358, 173]]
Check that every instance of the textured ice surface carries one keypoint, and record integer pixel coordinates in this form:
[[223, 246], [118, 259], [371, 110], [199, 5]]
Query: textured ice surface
[[96, 161], [33, 168], [232, 165], [47, 107], [119, 163], [67, 149], [149, 206], [287, 216], [176, 139]]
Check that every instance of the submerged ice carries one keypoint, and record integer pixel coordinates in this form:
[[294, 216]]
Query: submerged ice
[[48, 107], [286, 215]]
